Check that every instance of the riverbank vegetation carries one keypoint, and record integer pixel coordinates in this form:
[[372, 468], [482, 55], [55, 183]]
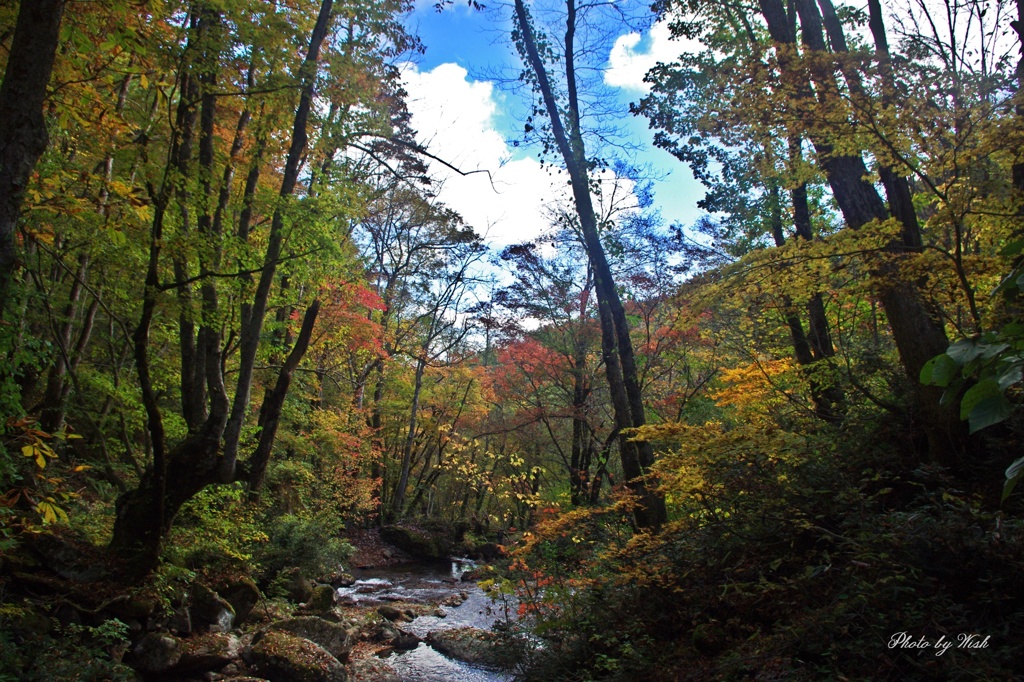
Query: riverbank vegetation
[[237, 326]]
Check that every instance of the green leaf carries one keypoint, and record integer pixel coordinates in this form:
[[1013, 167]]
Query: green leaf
[[964, 351], [1013, 248], [1013, 476], [986, 388], [939, 371], [989, 351], [990, 410], [1011, 374]]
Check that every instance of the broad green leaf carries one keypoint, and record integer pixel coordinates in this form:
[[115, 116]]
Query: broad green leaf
[[939, 371], [964, 351], [990, 410], [986, 388], [989, 351], [1011, 374]]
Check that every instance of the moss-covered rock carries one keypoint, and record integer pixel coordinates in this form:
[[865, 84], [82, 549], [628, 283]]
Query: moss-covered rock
[[208, 652], [282, 657], [471, 645], [321, 599], [155, 652], [372, 670], [333, 637], [243, 594], [209, 609], [419, 543]]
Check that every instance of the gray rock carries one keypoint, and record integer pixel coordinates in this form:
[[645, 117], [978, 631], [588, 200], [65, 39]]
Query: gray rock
[[333, 637], [454, 599], [471, 645], [322, 599], [207, 652], [243, 595], [343, 579], [282, 657], [381, 631], [180, 620], [210, 609], [405, 641], [372, 670], [391, 613], [156, 652]]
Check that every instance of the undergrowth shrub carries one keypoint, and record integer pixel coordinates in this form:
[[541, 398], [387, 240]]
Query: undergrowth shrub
[[68, 654], [786, 556], [218, 530], [312, 545]]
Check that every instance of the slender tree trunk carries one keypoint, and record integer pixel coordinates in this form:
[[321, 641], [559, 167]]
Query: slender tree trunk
[[144, 515], [52, 417], [617, 347], [254, 315], [273, 403], [579, 464], [398, 501]]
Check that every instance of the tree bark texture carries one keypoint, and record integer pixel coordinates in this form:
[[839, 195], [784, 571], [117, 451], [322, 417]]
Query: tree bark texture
[[23, 136]]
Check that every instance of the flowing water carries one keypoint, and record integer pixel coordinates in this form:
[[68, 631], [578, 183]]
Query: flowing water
[[430, 584]]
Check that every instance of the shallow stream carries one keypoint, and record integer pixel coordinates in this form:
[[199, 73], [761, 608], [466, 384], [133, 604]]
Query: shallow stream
[[429, 584]]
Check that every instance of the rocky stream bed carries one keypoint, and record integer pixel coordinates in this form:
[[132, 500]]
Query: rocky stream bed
[[411, 622]]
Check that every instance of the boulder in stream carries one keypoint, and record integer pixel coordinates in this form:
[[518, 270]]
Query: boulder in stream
[[372, 670], [419, 543], [405, 641], [210, 609], [243, 594], [333, 637], [320, 600], [470, 645], [282, 657], [392, 613]]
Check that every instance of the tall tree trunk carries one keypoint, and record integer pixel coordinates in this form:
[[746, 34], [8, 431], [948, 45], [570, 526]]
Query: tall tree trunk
[[255, 313], [917, 331], [23, 136]]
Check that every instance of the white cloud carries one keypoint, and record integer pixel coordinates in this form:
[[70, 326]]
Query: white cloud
[[454, 117], [632, 56]]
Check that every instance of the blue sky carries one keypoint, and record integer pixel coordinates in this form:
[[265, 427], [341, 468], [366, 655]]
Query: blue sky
[[467, 119]]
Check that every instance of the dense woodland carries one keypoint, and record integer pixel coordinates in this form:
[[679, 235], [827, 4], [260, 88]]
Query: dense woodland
[[239, 325]]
